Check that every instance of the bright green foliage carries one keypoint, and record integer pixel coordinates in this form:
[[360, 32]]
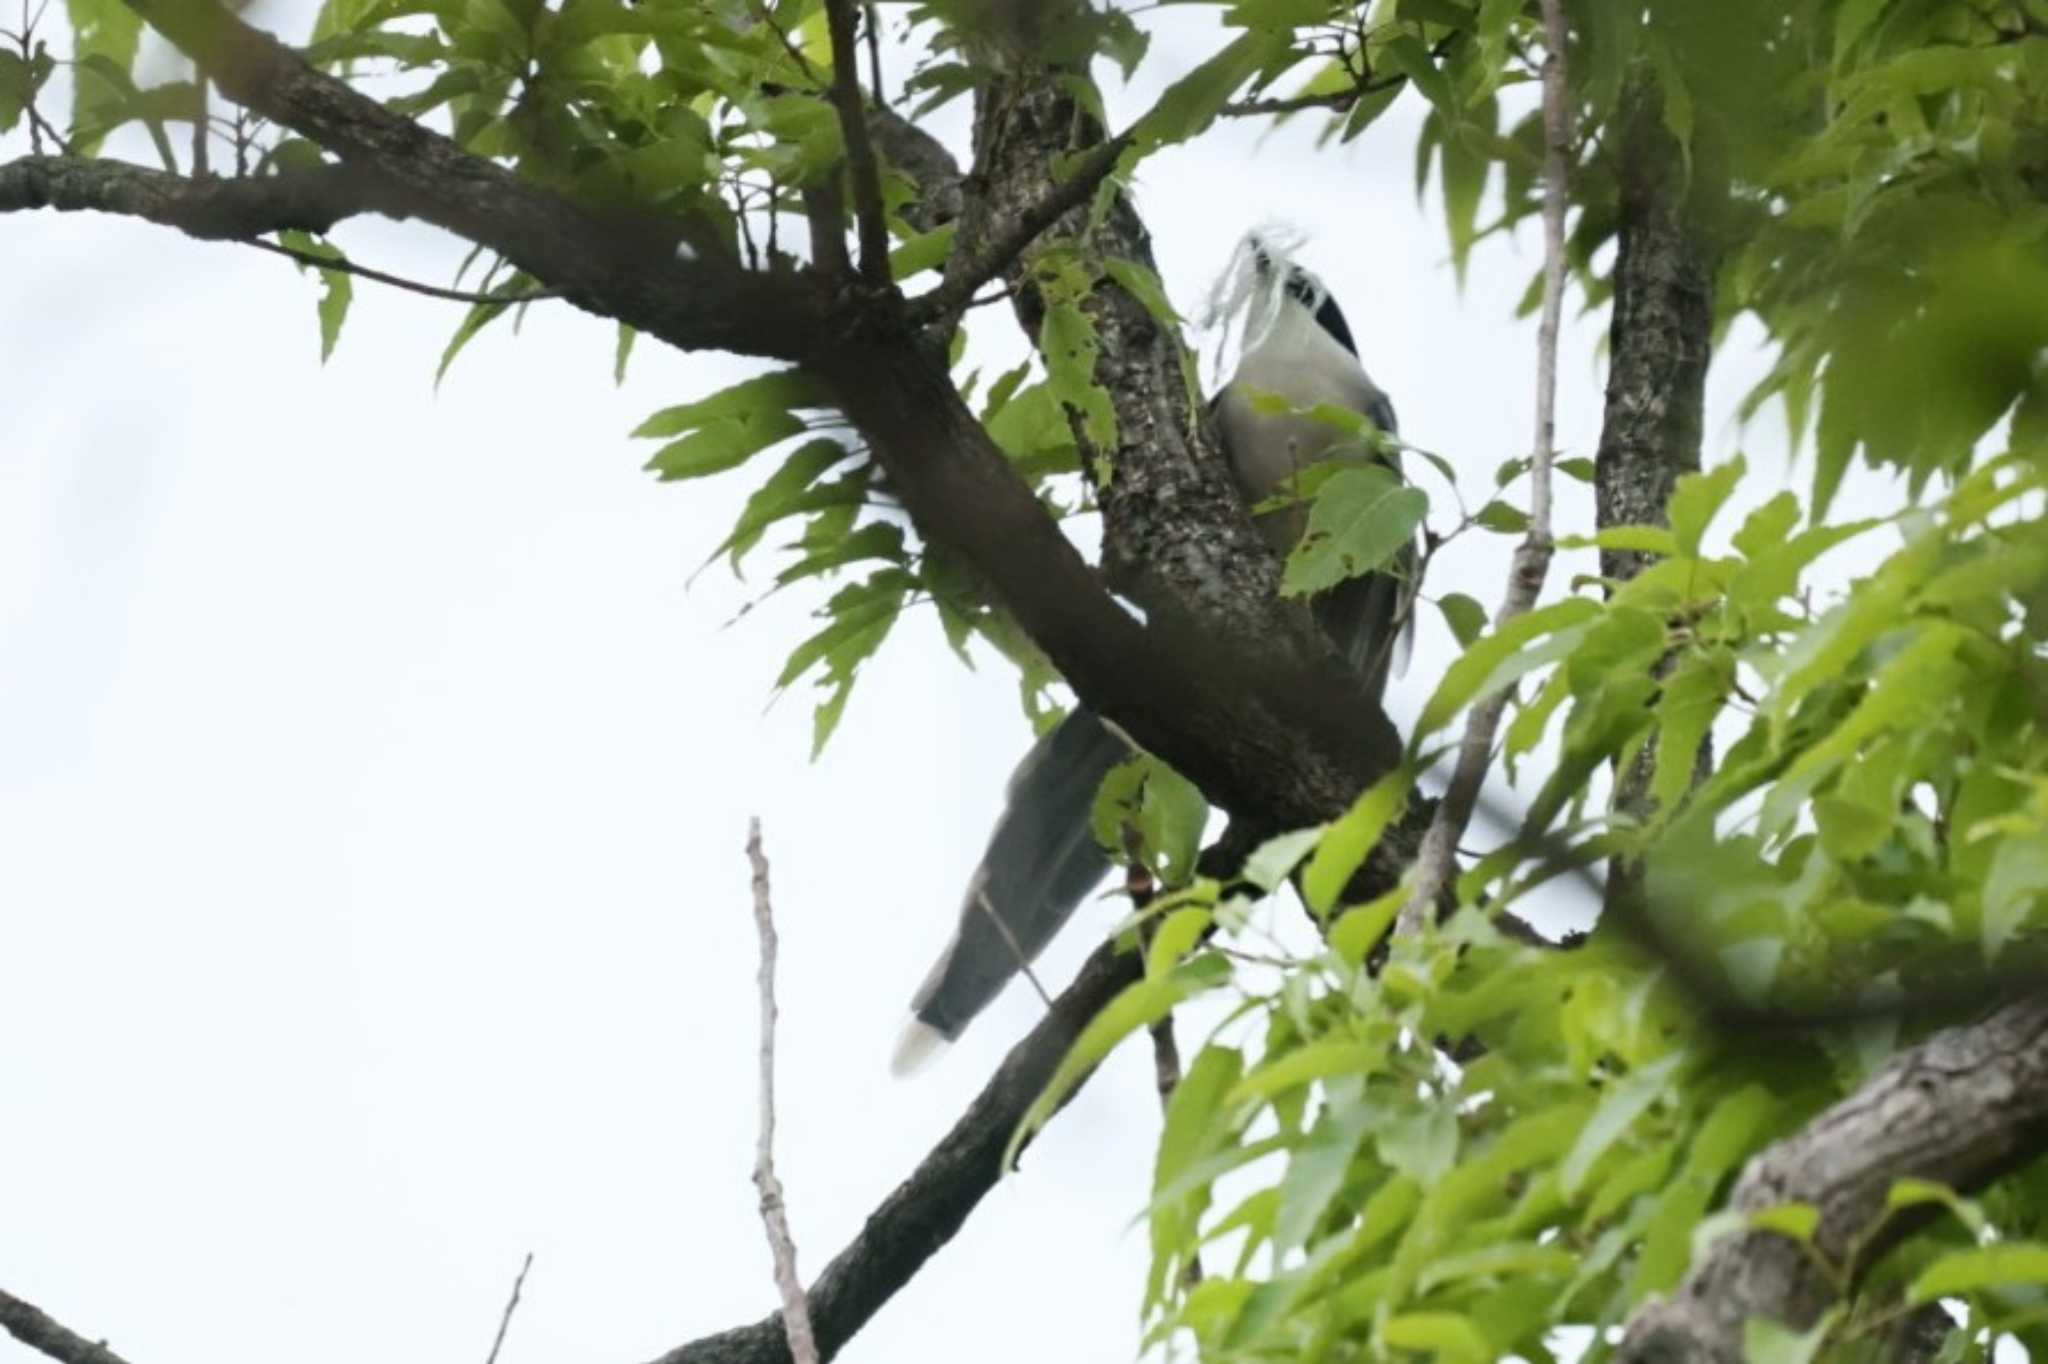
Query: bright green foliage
[[1845, 790]]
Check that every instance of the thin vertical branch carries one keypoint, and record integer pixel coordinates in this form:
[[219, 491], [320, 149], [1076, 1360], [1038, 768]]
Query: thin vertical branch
[[796, 1308], [511, 1306], [873, 18], [860, 148], [1436, 860]]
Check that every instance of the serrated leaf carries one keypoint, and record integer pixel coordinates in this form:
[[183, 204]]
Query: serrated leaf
[[1315, 1173], [1347, 842], [1360, 518], [1191, 103], [1139, 1006], [1499, 658], [777, 391], [725, 443], [1625, 1102], [1967, 1271], [1696, 500], [336, 289]]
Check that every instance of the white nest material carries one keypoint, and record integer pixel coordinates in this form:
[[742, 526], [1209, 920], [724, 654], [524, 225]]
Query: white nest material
[[1246, 296]]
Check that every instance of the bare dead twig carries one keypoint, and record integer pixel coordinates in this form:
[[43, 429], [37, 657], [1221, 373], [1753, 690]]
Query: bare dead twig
[[1023, 961], [511, 1306], [796, 1308], [1435, 861]]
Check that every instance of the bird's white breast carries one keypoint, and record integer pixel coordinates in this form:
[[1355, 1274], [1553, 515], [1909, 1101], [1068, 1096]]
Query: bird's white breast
[[1300, 362]]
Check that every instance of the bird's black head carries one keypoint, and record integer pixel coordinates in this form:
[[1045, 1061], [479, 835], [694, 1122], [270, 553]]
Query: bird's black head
[[1305, 289]]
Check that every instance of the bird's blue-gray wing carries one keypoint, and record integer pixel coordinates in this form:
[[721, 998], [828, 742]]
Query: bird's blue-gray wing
[[1041, 862]]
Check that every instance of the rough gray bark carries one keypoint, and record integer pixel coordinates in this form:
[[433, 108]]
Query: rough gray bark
[[1960, 1109], [1661, 335], [1660, 341], [36, 1329]]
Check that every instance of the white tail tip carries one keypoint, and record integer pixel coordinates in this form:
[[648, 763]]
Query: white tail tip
[[919, 1043]]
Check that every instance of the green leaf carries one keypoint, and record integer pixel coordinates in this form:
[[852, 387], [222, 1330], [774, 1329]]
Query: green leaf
[[1696, 500], [776, 391], [622, 351], [1197, 1124], [1412, 60], [1361, 517], [111, 32], [1068, 342], [1450, 1336], [1768, 1342], [2015, 884], [336, 290], [1316, 1172], [1357, 930], [1625, 1102], [1966, 1271], [725, 443], [1499, 516], [789, 491], [1344, 846], [1693, 695], [1272, 860], [1139, 1006], [1191, 103], [1499, 658], [1795, 1220], [1316, 1061], [1466, 617], [481, 315]]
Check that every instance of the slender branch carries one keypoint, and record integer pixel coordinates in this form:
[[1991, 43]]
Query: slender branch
[[961, 282], [511, 1306], [928, 1208], [348, 267], [873, 28], [1435, 863], [39, 1331], [1959, 1109], [796, 1308], [869, 217], [1016, 948]]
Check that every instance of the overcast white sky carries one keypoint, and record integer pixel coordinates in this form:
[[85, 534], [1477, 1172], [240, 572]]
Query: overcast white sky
[[373, 793]]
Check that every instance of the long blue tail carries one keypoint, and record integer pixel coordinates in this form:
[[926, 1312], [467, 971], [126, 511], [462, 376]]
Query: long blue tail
[[1041, 862]]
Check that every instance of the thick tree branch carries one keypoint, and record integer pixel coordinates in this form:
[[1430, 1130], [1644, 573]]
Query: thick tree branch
[[1438, 860], [929, 1207], [212, 209], [621, 267], [1960, 1109], [39, 1331]]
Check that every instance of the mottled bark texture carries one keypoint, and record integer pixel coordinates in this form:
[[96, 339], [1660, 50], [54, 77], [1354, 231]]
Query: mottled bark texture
[[211, 208], [1661, 334], [39, 1331], [1659, 343], [1960, 1109]]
